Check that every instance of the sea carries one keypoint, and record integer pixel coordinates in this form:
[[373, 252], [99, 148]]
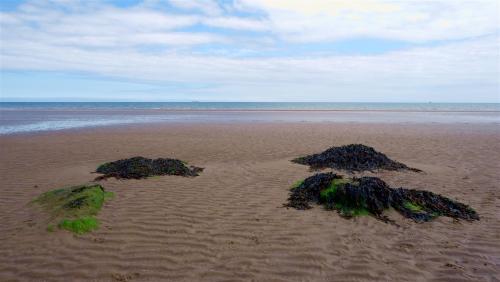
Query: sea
[[27, 117]]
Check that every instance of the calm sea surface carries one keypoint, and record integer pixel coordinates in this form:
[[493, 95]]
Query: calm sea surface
[[19, 117]]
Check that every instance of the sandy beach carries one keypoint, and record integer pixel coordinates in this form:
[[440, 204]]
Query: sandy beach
[[229, 224]]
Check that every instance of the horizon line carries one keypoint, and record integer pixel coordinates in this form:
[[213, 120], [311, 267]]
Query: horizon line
[[345, 102]]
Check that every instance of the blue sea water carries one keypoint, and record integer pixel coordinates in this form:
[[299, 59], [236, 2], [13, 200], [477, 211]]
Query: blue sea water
[[23, 117], [254, 106]]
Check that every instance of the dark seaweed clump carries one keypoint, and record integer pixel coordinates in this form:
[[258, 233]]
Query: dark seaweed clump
[[371, 196], [353, 157], [140, 167], [309, 190]]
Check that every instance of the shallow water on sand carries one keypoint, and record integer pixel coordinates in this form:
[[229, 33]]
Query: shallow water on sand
[[32, 117]]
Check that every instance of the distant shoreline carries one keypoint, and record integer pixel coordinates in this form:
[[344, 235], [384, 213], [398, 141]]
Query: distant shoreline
[[36, 117], [38, 120], [198, 107], [245, 110]]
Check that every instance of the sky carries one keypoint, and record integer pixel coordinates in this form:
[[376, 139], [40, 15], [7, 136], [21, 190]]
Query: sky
[[250, 50]]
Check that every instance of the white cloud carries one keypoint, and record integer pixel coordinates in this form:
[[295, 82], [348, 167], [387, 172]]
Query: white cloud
[[206, 6], [416, 21], [471, 62], [238, 23], [104, 40]]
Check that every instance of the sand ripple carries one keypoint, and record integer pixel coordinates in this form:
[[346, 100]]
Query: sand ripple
[[229, 224]]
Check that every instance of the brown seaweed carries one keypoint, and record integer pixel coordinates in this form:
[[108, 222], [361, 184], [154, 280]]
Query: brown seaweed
[[371, 195], [140, 167], [353, 157]]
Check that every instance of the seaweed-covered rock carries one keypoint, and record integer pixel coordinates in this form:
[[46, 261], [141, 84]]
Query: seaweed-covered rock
[[74, 208], [353, 157], [367, 194], [301, 198], [371, 195], [425, 205], [140, 167]]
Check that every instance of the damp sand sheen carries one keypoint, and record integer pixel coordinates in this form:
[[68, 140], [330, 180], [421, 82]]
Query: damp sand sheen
[[229, 221]]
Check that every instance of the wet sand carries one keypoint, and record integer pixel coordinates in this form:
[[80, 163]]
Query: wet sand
[[229, 224]]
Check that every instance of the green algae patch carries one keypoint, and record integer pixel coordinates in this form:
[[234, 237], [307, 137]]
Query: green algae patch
[[352, 197], [296, 184], [74, 208], [330, 192], [351, 211], [80, 225], [333, 201], [412, 207]]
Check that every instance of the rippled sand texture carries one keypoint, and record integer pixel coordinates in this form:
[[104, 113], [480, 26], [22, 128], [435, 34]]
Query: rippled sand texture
[[229, 223]]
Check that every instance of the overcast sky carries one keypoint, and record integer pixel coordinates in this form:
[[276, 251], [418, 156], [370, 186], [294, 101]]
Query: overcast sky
[[250, 50]]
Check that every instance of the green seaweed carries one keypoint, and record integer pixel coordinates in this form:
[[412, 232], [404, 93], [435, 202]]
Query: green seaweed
[[74, 207], [372, 196], [416, 208], [330, 199], [435, 214], [329, 192], [80, 225], [412, 206], [351, 211], [296, 184]]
